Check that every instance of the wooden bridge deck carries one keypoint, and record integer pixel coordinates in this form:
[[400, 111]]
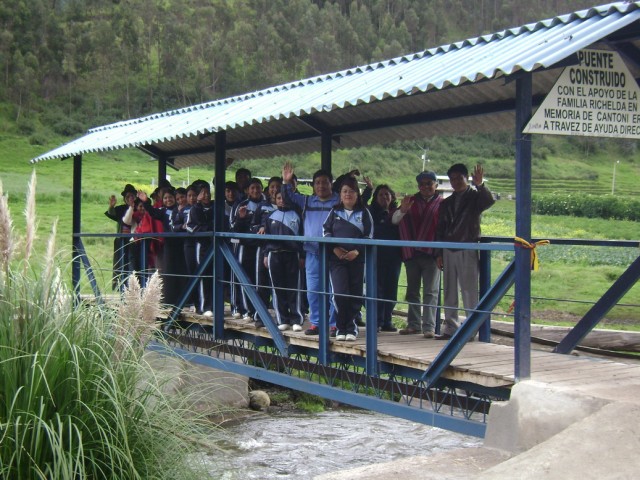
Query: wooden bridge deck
[[486, 364]]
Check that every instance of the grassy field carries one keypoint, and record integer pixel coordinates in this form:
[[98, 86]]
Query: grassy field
[[575, 273], [579, 274]]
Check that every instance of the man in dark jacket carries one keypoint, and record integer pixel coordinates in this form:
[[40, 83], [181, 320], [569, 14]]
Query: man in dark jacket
[[459, 221]]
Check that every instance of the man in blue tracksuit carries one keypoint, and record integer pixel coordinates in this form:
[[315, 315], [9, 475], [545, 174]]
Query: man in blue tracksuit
[[315, 209]]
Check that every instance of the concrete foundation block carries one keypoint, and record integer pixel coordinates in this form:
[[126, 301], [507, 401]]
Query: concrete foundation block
[[603, 445], [534, 413]]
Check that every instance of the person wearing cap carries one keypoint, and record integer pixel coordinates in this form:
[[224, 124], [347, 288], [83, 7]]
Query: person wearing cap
[[116, 213], [459, 221], [417, 219]]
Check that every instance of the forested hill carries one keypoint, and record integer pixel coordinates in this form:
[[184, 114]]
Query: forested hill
[[67, 65], [70, 64]]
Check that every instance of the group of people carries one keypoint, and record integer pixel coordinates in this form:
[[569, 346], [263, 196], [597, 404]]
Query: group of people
[[336, 209]]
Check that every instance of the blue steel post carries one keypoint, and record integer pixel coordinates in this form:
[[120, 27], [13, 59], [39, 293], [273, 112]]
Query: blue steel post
[[323, 308], [485, 285], [76, 227], [144, 248], [218, 259], [522, 327], [323, 351], [372, 311]]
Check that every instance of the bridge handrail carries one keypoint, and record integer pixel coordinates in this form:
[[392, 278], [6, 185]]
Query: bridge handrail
[[488, 242]]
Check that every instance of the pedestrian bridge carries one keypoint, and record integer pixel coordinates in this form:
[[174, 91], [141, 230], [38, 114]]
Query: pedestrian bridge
[[448, 384], [459, 401]]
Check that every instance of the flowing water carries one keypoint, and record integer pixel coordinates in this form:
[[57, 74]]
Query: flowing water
[[299, 445]]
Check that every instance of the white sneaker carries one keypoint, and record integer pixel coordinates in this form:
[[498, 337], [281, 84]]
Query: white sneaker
[[296, 328], [208, 313], [283, 327], [350, 337], [340, 336], [247, 318], [236, 315], [191, 309]]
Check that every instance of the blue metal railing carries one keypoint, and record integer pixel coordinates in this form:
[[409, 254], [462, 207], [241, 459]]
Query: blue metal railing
[[479, 319]]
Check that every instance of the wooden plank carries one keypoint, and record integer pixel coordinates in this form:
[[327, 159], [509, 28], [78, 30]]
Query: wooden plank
[[476, 359], [481, 363]]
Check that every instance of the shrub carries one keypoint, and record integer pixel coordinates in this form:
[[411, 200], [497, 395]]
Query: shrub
[[68, 127], [39, 138], [25, 126], [587, 205]]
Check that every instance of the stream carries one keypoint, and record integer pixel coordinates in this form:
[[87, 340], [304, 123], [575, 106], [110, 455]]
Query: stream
[[302, 445]]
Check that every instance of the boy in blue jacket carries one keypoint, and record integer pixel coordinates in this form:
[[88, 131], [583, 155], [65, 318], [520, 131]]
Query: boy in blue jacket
[[283, 261]]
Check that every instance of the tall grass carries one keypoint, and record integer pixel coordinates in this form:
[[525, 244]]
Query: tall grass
[[77, 399]]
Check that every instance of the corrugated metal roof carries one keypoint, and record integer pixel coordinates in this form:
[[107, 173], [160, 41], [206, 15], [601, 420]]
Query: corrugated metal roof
[[262, 123]]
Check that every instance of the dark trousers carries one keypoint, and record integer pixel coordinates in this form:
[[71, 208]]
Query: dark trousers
[[191, 264], [237, 305], [205, 286], [262, 277], [388, 268], [284, 273], [347, 279], [248, 259], [173, 270]]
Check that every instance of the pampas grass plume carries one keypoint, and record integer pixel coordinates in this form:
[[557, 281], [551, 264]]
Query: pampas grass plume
[[30, 217], [140, 308], [6, 231]]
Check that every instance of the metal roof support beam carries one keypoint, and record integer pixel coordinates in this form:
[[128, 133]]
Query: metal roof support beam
[[522, 327], [218, 259], [325, 151], [76, 227], [162, 168]]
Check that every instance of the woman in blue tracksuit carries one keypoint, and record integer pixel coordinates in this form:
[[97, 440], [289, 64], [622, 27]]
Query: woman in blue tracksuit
[[348, 219], [283, 261]]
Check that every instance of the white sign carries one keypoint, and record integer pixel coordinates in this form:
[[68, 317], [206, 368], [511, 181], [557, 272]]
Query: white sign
[[598, 98]]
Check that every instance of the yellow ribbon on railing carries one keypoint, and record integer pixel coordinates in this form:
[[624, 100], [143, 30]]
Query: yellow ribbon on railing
[[521, 242]]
